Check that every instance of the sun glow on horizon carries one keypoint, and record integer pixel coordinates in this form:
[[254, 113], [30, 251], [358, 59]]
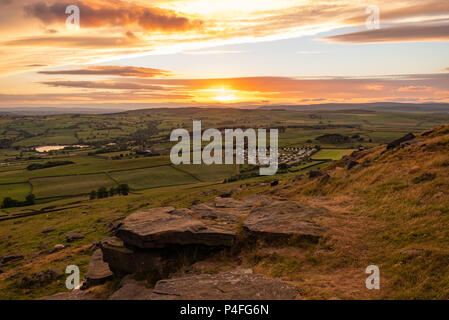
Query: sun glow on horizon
[[221, 95]]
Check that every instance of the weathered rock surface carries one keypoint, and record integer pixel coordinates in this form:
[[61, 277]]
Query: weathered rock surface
[[228, 210], [225, 286], [123, 259], [72, 295], [206, 211], [162, 227], [285, 219], [72, 237], [98, 271], [131, 289]]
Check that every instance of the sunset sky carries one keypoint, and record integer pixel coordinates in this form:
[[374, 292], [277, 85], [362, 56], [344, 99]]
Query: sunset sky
[[223, 52]]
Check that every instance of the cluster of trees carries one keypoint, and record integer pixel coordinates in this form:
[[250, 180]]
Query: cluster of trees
[[103, 192], [49, 164], [10, 203]]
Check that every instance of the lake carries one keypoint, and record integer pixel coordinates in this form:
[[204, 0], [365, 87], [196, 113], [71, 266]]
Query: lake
[[54, 148]]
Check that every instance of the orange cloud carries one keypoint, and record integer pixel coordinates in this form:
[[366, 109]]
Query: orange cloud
[[113, 13], [112, 71]]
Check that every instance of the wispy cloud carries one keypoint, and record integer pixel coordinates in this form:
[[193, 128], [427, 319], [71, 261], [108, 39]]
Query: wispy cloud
[[207, 52], [127, 71], [403, 33]]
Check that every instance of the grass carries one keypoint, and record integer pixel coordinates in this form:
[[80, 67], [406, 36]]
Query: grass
[[47, 140], [17, 191], [70, 185], [332, 154], [213, 172], [152, 177]]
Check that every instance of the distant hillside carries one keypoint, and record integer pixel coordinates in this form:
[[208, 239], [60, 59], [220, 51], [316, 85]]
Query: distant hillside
[[378, 106]]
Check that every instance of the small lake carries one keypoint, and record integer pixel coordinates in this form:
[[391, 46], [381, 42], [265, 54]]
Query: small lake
[[55, 148]]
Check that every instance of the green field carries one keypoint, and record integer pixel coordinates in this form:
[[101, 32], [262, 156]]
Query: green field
[[47, 140], [152, 177], [213, 172], [332, 154], [17, 191], [70, 185], [82, 165]]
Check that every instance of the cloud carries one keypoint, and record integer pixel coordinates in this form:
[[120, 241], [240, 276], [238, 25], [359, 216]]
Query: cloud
[[113, 13], [139, 72], [52, 98], [429, 9], [89, 42], [432, 87], [403, 33], [103, 85], [414, 89]]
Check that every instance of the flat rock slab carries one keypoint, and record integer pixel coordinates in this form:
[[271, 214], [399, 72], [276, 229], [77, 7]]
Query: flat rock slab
[[131, 289], [285, 219], [209, 212], [224, 286], [98, 271], [228, 210], [162, 227]]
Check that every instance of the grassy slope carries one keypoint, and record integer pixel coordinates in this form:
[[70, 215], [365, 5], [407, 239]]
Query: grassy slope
[[383, 207]]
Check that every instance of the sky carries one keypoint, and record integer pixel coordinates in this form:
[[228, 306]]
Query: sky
[[223, 52]]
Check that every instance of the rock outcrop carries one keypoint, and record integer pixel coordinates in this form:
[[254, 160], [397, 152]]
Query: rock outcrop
[[240, 285], [158, 242], [163, 227], [98, 271], [131, 289], [284, 220]]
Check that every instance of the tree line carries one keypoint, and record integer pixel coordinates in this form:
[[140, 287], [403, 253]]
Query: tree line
[[103, 192], [8, 202]]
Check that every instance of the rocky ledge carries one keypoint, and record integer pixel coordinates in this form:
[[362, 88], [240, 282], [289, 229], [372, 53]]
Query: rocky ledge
[[162, 240]]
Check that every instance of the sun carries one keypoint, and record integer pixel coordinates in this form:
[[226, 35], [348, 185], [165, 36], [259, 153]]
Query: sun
[[224, 98], [220, 94]]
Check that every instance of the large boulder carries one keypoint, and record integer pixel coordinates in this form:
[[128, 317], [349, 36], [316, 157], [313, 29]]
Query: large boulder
[[283, 220], [241, 285], [162, 227], [98, 271], [126, 260]]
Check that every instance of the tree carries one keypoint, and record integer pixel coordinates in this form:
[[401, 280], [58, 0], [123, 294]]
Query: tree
[[102, 193], [111, 192], [123, 189], [93, 195], [8, 202], [29, 200]]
